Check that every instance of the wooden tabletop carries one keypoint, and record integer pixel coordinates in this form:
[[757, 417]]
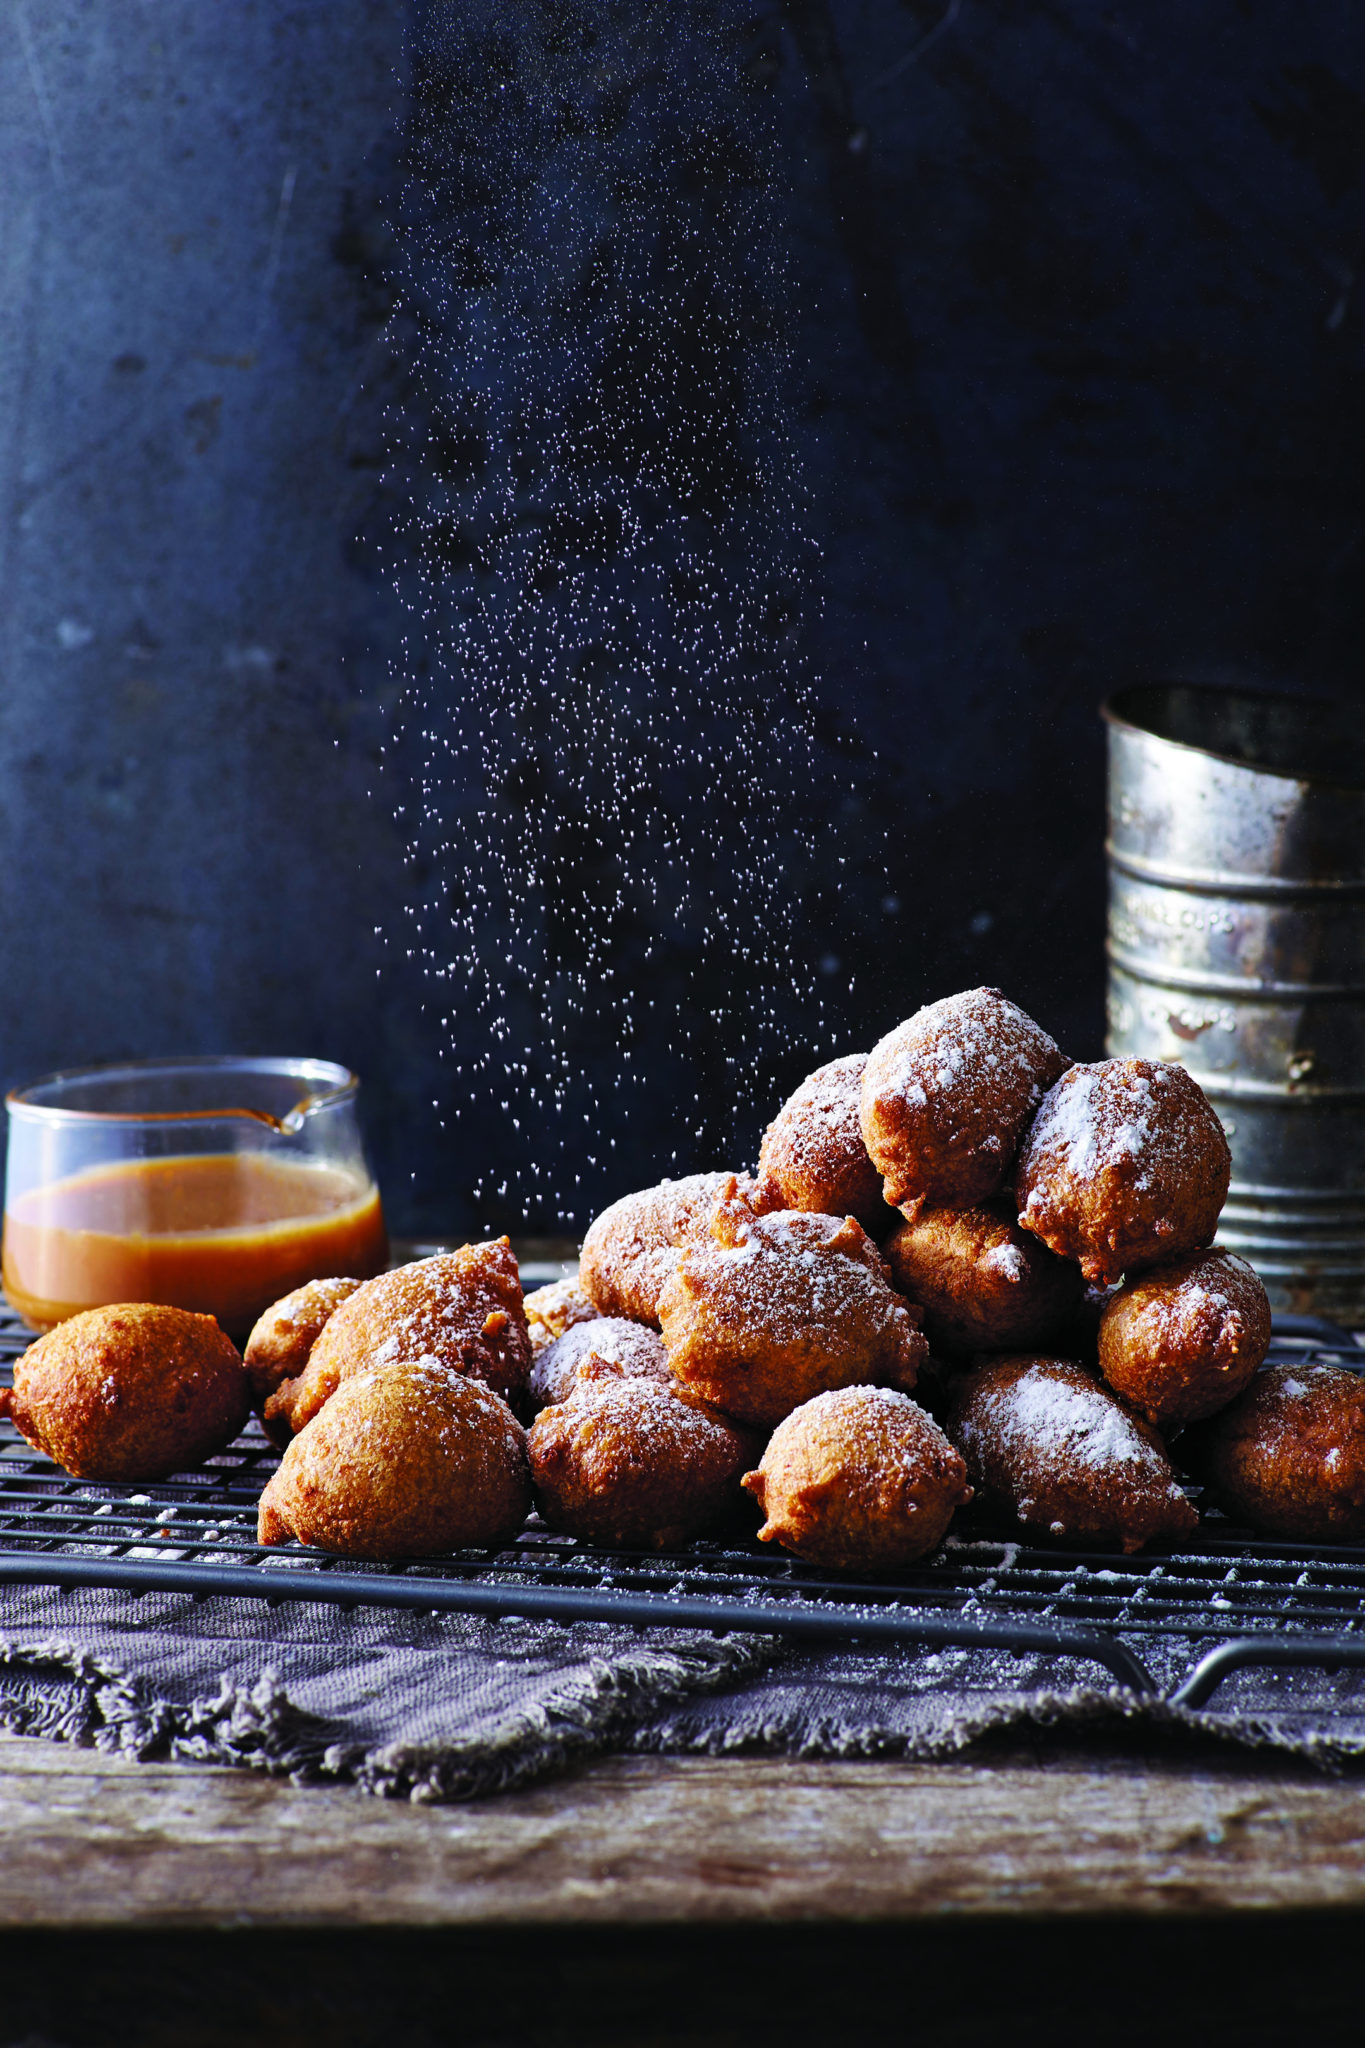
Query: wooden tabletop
[[89, 1840], [642, 1903]]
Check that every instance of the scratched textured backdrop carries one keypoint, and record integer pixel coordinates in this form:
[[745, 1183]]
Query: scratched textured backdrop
[[1074, 386]]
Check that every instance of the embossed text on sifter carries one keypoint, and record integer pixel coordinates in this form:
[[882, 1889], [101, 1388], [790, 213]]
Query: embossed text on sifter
[[1237, 946]]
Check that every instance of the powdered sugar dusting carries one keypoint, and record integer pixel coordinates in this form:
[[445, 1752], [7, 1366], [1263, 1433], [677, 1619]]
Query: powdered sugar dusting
[[1099, 1116], [892, 1430], [813, 1152], [1008, 1261], [976, 1036], [1043, 1415], [796, 1276], [948, 1094], [636, 1351]]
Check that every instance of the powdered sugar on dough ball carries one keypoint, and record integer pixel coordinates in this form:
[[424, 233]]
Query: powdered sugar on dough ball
[[463, 1308], [983, 1283], [769, 1310], [626, 1462], [552, 1310], [405, 1460], [858, 1480], [813, 1156], [278, 1346], [1125, 1164], [947, 1096], [1185, 1337], [632, 1248], [1049, 1446], [1288, 1455], [615, 1347]]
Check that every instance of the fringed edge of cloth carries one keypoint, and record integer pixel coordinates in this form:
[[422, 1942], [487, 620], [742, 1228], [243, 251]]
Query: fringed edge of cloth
[[1080, 1710], [55, 1689]]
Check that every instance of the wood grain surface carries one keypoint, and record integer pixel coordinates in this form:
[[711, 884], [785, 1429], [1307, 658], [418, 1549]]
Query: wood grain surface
[[87, 1841]]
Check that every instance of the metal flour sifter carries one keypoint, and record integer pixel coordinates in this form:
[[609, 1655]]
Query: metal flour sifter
[[1237, 946]]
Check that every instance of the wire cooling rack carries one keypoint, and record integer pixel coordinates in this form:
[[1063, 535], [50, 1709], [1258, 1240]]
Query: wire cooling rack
[[1256, 1602]]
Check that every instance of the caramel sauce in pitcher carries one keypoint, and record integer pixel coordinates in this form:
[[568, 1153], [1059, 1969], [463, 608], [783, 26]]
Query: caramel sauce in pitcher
[[225, 1233]]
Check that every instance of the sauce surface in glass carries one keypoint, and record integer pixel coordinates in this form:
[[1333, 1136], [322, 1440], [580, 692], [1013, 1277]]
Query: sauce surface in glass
[[225, 1233]]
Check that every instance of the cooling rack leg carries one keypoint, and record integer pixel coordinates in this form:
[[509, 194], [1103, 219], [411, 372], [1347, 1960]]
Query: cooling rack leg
[[1321, 1653]]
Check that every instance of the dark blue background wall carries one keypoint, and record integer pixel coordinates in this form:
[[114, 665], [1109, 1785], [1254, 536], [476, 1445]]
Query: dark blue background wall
[[1010, 352]]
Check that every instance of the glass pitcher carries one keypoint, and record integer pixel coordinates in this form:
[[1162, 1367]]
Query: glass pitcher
[[215, 1184]]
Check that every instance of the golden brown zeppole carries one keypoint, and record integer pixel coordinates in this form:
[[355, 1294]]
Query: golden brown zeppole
[[1049, 1210], [462, 1308], [132, 1391], [983, 1283], [617, 1348], [766, 1311], [947, 1096], [405, 1460], [1182, 1339], [625, 1461], [279, 1345], [1125, 1164], [813, 1155], [858, 1480], [1049, 1446], [1288, 1455]]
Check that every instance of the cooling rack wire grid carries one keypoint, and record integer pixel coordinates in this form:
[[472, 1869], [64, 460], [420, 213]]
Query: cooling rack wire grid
[[1231, 1598]]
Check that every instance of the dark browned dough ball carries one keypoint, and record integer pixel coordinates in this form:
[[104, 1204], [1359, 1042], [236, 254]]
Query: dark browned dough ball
[[813, 1156], [1049, 1446], [284, 1335], [131, 1391], [858, 1480], [631, 1350], [1183, 1339], [626, 1461], [1125, 1164], [404, 1460], [983, 1283], [948, 1095], [1288, 1455]]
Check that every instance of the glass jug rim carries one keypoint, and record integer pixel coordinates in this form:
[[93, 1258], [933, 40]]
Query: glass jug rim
[[324, 1084]]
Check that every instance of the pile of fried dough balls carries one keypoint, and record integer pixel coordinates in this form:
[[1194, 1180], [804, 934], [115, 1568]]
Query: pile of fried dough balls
[[1043, 1228]]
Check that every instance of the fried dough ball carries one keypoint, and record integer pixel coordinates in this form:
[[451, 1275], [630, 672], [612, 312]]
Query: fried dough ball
[[1049, 1446], [552, 1310], [131, 1391], [983, 1283], [1288, 1455], [1185, 1337], [767, 1311], [632, 1248], [625, 1461], [405, 1460], [858, 1480], [462, 1308], [1126, 1163], [947, 1097], [278, 1346], [813, 1155], [625, 1350]]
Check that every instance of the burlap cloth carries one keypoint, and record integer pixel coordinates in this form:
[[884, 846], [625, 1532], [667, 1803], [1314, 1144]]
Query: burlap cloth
[[433, 1708]]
